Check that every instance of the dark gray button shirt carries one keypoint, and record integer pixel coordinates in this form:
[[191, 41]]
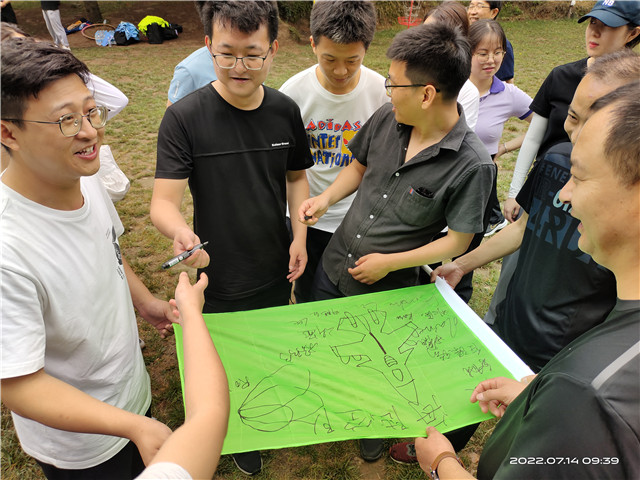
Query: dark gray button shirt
[[401, 206]]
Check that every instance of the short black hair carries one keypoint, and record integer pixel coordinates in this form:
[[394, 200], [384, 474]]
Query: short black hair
[[434, 53], [246, 16], [493, 5], [28, 67], [622, 144], [481, 28], [344, 21], [619, 66]]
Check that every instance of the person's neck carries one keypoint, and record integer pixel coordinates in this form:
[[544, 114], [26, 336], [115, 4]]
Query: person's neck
[[241, 103], [58, 197], [436, 125], [348, 88], [483, 85], [628, 279]]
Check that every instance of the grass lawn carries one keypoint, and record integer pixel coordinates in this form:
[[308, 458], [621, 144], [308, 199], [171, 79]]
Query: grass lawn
[[143, 73]]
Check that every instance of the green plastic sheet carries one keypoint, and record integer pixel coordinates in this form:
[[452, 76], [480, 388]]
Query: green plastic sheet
[[382, 365]]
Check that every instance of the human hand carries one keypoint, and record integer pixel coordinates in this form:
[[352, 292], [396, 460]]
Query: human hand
[[496, 394], [451, 272], [297, 260], [185, 240], [511, 209], [149, 435], [188, 297], [160, 314], [312, 209], [427, 449], [370, 268]]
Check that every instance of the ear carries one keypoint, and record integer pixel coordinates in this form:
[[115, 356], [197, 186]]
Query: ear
[[207, 42], [429, 96], [274, 47], [633, 34], [494, 13], [7, 135]]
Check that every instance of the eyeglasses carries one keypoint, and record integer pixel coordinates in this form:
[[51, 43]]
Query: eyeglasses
[[477, 6], [71, 123], [484, 56], [388, 86], [250, 63]]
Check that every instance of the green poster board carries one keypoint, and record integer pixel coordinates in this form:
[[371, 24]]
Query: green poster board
[[383, 365]]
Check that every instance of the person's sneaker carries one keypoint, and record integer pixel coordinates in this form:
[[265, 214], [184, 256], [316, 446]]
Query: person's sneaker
[[141, 343], [404, 452], [248, 463], [495, 227], [371, 449]]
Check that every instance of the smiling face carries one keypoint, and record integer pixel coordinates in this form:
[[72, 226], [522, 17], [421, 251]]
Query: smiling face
[[239, 86], [601, 39], [484, 69], [338, 64], [46, 160], [605, 207], [479, 9]]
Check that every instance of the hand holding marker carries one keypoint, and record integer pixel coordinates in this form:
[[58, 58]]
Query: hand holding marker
[[184, 255]]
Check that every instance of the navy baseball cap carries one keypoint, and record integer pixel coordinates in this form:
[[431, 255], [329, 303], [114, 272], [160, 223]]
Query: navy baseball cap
[[615, 13]]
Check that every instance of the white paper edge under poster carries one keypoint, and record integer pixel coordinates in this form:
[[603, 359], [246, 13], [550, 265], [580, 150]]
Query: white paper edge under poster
[[487, 336]]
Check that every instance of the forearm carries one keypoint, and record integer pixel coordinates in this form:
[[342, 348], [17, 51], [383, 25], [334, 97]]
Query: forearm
[[506, 242], [206, 385], [511, 145], [297, 192], [528, 151], [347, 182], [450, 469], [167, 218], [140, 294], [71, 410], [443, 248]]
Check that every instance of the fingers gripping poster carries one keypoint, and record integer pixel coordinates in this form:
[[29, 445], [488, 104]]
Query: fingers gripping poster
[[382, 365]]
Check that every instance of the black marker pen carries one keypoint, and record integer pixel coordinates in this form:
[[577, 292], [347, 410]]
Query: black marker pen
[[177, 259]]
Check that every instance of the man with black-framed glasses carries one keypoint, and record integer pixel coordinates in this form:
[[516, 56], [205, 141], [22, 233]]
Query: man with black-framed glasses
[[68, 330], [419, 169], [242, 149]]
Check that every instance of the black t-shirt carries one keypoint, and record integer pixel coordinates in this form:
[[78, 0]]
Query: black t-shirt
[[236, 162], [579, 418], [553, 99], [557, 292]]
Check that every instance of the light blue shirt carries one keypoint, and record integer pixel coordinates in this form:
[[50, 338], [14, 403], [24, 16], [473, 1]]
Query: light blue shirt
[[192, 73]]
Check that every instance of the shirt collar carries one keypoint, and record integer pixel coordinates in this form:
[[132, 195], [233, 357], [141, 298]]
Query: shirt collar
[[496, 86], [453, 139]]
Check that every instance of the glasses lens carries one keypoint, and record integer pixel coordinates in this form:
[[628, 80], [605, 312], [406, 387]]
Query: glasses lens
[[225, 61], [70, 124], [98, 117], [253, 63]]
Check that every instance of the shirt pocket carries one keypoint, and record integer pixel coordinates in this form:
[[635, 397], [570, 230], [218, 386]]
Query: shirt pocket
[[418, 207]]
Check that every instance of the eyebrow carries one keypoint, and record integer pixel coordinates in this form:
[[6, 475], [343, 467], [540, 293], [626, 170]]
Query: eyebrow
[[250, 47], [70, 104]]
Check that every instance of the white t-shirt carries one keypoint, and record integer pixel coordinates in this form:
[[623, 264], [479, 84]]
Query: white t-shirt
[[469, 98], [66, 306], [331, 121], [164, 470]]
